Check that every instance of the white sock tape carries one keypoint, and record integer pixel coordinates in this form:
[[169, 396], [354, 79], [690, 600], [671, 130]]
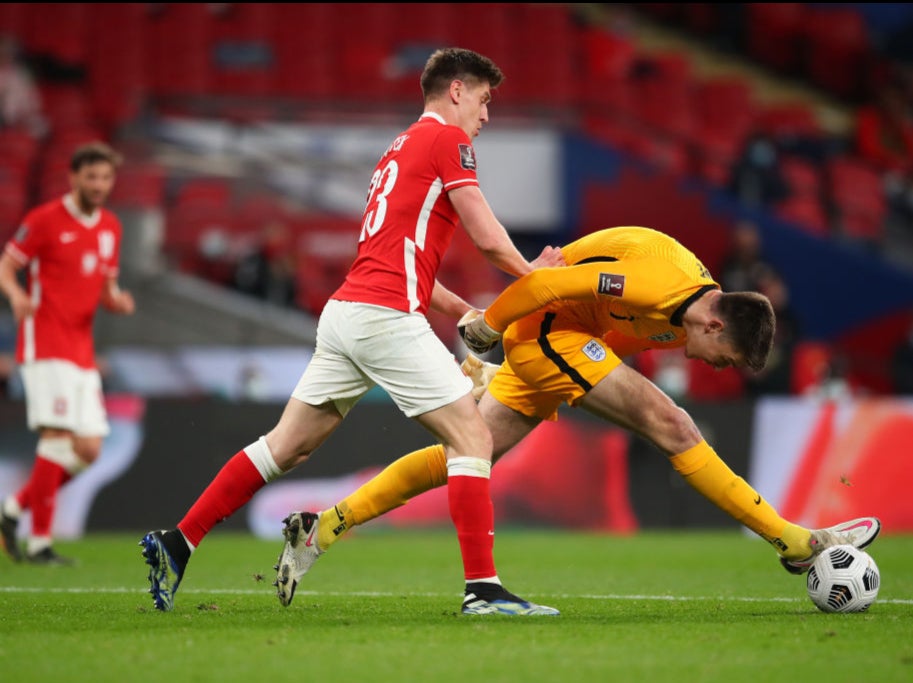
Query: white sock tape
[[466, 466], [60, 450], [260, 455]]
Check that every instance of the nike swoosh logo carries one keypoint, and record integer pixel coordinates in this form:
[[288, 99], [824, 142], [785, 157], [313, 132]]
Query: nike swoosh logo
[[757, 501], [309, 541]]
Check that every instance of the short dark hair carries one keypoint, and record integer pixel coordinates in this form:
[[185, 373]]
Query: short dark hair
[[92, 153], [450, 63], [750, 325]]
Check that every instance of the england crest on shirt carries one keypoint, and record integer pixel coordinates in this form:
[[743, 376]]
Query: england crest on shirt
[[594, 351]]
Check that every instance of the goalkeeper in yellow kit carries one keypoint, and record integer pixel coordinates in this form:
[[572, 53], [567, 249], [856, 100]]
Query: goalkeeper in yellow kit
[[565, 331]]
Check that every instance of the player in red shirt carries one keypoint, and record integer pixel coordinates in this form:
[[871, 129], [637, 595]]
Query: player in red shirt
[[373, 332], [71, 246]]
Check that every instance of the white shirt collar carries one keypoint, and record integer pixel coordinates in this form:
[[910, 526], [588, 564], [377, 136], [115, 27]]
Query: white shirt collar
[[433, 115], [89, 221]]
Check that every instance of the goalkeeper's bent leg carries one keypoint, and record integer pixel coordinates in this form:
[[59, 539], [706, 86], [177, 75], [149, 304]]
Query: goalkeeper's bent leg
[[703, 469], [405, 478]]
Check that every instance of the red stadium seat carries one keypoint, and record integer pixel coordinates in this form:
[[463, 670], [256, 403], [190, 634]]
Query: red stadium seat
[[487, 27], [607, 60], [775, 34], [807, 213], [544, 28], [179, 47], [418, 30], [13, 18], [803, 177], [326, 247], [59, 31], [139, 184], [724, 116], [306, 50], [66, 106], [715, 152], [18, 145], [725, 105], [243, 53], [787, 119], [364, 48], [805, 206], [117, 67], [204, 191], [13, 204], [664, 95], [193, 232], [838, 57], [857, 192], [259, 210]]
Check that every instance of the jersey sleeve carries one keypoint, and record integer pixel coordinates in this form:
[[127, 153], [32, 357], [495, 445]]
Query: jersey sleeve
[[111, 264], [26, 241], [642, 282], [454, 158]]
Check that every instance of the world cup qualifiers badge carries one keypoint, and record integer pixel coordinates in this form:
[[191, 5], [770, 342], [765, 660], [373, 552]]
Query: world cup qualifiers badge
[[467, 157], [611, 284]]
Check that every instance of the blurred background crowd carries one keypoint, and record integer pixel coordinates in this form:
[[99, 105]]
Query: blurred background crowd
[[774, 139]]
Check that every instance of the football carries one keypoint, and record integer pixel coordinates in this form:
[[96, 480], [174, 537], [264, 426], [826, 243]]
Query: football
[[843, 579]]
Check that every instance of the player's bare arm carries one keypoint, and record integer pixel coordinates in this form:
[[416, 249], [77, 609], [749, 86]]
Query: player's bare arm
[[117, 300], [20, 303], [447, 302], [486, 231]]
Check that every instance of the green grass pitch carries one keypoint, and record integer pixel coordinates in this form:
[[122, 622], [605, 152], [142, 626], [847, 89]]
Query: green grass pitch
[[383, 605]]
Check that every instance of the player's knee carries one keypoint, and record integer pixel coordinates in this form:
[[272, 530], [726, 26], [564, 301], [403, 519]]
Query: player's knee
[[474, 441], [675, 431], [87, 450]]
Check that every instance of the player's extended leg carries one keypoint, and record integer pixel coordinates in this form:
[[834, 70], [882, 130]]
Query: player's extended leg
[[10, 510], [56, 462], [308, 534], [415, 473], [301, 429], [629, 399]]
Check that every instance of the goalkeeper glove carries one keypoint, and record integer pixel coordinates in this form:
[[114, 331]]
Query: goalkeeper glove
[[479, 372], [476, 333]]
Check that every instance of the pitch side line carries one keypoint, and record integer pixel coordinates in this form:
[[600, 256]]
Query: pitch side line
[[382, 594]]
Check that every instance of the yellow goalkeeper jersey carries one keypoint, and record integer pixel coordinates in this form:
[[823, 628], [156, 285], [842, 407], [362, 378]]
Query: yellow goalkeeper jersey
[[627, 285]]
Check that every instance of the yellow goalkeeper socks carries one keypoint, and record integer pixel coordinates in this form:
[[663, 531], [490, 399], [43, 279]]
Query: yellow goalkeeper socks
[[412, 474], [703, 469]]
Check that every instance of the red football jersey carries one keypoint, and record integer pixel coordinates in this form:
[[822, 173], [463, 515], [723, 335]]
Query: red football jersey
[[409, 221], [69, 260]]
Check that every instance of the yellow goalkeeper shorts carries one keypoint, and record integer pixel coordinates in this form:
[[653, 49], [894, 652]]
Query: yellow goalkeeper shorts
[[546, 368]]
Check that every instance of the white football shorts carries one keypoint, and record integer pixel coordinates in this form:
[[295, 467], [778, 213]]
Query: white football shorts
[[360, 346], [62, 395]]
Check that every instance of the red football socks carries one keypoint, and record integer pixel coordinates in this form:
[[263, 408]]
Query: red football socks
[[234, 485]]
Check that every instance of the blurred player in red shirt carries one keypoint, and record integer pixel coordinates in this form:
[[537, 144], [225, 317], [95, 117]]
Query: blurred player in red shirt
[[71, 246], [373, 332]]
